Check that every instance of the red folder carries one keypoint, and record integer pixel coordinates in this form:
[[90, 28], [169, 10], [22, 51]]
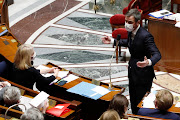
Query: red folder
[[58, 110]]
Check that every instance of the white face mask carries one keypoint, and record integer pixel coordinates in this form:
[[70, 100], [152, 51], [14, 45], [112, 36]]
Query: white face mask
[[33, 57], [129, 27]]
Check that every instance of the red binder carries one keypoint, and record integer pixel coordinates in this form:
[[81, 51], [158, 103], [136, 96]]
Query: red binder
[[58, 110]]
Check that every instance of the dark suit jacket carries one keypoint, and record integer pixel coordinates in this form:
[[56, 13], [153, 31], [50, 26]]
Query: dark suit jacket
[[29, 76], [143, 45], [158, 113]]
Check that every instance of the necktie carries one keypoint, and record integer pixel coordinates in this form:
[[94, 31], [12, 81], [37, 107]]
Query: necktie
[[130, 37]]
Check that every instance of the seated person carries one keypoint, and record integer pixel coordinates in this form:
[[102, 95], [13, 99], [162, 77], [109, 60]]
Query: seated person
[[3, 86], [110, 115], [120, 104], [12, 96], [25, 74], [32, 114], [163, 101]]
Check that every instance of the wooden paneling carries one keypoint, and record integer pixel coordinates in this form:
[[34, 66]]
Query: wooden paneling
[[167, 39]]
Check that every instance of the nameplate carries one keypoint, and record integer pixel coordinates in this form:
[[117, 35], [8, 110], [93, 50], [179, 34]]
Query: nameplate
[[6, 42], [3, 28], [13, 40]]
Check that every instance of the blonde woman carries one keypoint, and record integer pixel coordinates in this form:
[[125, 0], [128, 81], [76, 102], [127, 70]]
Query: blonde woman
[[164, 101], [110, 115], [25, 74]]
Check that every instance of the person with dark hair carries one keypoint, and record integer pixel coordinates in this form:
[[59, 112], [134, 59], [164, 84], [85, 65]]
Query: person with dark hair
[[144, 55], [164, 101], [120, 104]]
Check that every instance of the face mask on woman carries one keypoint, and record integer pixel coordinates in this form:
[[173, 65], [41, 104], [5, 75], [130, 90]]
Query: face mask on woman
[[129, 27], [33, 57]]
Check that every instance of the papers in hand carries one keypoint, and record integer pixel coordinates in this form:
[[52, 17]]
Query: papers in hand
[[61, 74], [41, 97], [160, 14], [148, 101]]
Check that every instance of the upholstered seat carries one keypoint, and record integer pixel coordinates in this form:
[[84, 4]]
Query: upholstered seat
[[124, 35]]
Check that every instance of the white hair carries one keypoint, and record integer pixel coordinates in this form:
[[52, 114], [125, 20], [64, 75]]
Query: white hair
[[11, 95], [32, 114]]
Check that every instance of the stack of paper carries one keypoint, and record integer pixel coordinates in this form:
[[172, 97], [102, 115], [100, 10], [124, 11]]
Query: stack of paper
[[175, 17], [89, 90], [160, 14]]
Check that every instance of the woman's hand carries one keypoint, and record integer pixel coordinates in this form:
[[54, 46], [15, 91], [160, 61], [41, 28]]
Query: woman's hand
[[56, 71]]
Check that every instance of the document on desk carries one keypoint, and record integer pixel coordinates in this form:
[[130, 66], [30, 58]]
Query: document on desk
[[70, 78], [25, 100], [160, 13], [178, 104], [89, 90]]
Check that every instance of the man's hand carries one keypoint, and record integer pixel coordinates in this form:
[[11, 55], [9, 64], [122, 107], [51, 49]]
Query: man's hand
[[144, 63], [106, 40], [5, 83]]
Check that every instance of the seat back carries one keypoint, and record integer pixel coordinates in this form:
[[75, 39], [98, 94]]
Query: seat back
[[178, 5], [5, 67]]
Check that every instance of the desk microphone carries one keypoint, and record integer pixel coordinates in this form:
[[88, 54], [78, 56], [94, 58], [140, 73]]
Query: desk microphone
[[117, 42]]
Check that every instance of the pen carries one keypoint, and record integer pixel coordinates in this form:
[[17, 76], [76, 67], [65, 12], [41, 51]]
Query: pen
[[53, 82], [62, 78]]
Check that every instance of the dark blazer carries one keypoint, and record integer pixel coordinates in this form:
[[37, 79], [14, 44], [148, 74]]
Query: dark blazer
[[29, 76], [158, 113], [142, 45]]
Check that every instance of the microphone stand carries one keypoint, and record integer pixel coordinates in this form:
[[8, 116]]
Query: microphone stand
[[110, 83]]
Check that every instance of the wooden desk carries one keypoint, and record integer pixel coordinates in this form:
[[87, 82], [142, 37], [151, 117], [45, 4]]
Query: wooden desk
[[167, 39], [9, 44], [73, 114], [4, 12], [91, 109], [172, 109]]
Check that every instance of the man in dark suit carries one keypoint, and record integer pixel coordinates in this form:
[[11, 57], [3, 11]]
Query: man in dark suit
[[144, 55]]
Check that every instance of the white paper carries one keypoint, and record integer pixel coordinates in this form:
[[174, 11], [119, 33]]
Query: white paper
[[101, 90], [62, 74], [41, 67], [173, 17], [178, 104], [161, 13], [25, 100], [70, 78], [36, 101], [59, 107], [177, 24], [148, 101]]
